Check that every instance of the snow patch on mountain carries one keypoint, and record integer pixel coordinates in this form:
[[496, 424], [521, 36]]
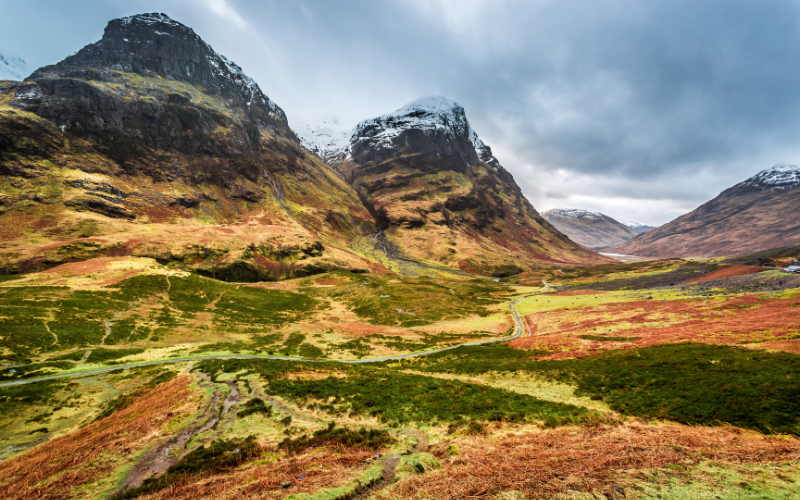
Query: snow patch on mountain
[[779, 177], [151, 19], [328, 140], [571, 213], [635, 225], [13, 67]]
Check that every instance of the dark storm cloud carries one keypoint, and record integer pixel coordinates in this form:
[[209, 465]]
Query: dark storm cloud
[[641, 109]]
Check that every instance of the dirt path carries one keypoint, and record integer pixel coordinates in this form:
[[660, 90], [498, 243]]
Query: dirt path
[[390, 463], [161, 457], [46, 322], [156, 461]]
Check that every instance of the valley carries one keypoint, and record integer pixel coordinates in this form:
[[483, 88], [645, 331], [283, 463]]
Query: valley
[[199, 301], [643, 353]]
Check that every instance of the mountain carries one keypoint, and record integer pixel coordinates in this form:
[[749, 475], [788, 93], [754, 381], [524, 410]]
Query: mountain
[[439, 195], [591, 229], [12, 67], [150, 143], [639, 227], [757, 214]]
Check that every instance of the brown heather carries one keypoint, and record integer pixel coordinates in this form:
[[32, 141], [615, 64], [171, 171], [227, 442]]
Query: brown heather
[[53, 470]]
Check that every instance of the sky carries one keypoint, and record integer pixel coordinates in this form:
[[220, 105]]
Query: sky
[[639, 109]]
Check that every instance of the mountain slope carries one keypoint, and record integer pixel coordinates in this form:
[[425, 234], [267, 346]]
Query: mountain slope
[[440, 195], [759, 213], [590, 229], [151, 126]]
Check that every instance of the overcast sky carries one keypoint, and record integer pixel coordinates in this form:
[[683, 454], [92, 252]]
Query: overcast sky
[[641, 109]]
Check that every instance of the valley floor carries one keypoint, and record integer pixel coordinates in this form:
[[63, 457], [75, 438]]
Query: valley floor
[[646, 380]]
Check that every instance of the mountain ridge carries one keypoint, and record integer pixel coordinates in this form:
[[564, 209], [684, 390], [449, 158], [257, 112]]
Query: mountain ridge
[[591, 229], [756, 214]]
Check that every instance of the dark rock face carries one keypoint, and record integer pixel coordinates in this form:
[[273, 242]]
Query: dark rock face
[[152, 84], [431, 132], [155, 46]]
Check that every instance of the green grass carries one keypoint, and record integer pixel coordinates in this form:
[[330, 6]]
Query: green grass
[[76, 317], [401, 399], [410, 302], [101, 355], [16, 399], [34, 370], [255, 405], [397, 398], [372, 439], [689, 383]]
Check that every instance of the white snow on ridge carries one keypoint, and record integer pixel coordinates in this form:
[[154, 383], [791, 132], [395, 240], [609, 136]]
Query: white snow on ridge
[[779, 177], [571, 213], [328, 140], [13, 68], [426, 114], [633, 224], [150, 19]]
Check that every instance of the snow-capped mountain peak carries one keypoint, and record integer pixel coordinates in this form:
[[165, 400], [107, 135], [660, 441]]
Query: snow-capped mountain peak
[[432, 116], [779, 177], [12, 68]]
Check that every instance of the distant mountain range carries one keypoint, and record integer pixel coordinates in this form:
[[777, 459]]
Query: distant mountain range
[[152, 128], [593, 229], [759, 213]]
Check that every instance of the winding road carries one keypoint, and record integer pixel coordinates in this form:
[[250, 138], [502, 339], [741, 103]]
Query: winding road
[[520, 328]]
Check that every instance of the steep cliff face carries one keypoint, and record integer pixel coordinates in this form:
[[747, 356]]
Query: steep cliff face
[[440, 195], [151, 125], [757, 214]]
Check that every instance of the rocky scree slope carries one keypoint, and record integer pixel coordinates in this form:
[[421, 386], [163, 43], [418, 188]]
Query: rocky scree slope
[[757, 214], [440, 195], [151, 125], [591, 229]]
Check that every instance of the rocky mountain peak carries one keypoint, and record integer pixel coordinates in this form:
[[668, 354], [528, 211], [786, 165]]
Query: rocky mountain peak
[[429, 125], [156, 46]]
